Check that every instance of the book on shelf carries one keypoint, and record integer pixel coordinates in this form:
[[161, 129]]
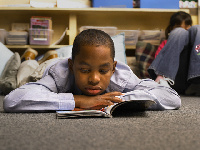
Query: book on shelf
[[41, 22], [129, 106]]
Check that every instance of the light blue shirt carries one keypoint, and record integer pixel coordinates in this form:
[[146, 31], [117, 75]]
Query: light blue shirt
[[56, 89]]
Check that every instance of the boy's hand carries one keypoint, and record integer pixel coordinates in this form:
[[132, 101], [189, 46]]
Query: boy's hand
[[96, 102]]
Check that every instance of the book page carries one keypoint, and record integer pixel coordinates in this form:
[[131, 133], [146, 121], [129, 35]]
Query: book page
[[81, 114], [130, 105]]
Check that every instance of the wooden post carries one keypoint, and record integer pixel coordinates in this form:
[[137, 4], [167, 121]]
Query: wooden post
[[72, 32]]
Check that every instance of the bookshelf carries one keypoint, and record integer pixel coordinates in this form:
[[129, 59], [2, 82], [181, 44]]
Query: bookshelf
[[122, 18]]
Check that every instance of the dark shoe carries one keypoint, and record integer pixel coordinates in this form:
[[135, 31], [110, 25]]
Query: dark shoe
[[193, 89]]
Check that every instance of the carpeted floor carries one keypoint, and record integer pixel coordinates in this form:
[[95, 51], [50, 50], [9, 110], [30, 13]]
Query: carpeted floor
[[153, 130]]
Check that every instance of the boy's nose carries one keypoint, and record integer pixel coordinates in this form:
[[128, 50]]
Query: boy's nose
[[94, 78]]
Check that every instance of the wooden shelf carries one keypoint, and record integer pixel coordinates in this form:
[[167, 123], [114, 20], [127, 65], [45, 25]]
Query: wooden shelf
[[94, 9], [74, 18], [35, 46], [49, 46], [130, 46]]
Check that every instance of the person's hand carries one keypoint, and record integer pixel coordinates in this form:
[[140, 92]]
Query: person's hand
[[96, 102], [158, 78]]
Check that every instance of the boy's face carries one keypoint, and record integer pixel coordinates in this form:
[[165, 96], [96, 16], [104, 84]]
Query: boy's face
[[92, 69]]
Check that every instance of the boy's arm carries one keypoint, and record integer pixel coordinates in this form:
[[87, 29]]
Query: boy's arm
[[35, 97], [127, 81], [39, 97], [166, 98]]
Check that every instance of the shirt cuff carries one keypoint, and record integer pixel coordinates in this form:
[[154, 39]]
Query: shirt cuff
[[66, 101]]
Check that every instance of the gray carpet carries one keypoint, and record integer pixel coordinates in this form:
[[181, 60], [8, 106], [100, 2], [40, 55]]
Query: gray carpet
[[153, 130]]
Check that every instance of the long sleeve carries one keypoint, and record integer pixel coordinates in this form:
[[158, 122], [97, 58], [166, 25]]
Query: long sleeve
[[37, 97], [165, 98], [125, 81]]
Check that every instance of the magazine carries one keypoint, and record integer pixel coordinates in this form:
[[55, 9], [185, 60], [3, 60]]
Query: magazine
[[110, 111]]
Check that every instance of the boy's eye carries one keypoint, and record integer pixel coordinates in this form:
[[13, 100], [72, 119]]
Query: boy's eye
[[84, 70], [103, 71]]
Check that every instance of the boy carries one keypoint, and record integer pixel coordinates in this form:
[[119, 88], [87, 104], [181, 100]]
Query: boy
[[91, 79]]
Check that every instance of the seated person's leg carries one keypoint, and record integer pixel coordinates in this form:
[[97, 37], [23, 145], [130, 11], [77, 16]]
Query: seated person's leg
[[172, 61], [167, 61], [194, 69], [180, 82]]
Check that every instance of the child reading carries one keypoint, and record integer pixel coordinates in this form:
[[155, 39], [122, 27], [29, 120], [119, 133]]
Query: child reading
[[90, 79]]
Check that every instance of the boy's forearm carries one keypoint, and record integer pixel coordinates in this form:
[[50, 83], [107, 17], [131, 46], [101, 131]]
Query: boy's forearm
[[37, 98], [96, 101], [82, 101], [166, 98], [77, 100]]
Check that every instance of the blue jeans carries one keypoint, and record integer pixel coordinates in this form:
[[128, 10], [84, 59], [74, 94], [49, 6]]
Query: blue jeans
[[179, 59]]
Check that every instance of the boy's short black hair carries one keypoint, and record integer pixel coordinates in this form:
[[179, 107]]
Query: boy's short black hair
[[92, 37]]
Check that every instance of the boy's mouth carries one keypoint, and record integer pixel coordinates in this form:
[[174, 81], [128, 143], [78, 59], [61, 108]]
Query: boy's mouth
[[94, 91]]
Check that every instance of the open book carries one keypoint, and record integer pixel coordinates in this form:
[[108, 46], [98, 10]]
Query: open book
[[110, 111]]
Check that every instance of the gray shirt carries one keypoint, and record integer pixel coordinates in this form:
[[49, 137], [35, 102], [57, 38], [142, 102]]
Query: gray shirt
[[56, 89]]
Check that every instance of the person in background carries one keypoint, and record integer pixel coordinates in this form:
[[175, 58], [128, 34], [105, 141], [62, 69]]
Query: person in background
[[178, 57], [90, 79], [178, 19]]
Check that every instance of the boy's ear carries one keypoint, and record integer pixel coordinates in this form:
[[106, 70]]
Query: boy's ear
[[70, 64], [114, 65]]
